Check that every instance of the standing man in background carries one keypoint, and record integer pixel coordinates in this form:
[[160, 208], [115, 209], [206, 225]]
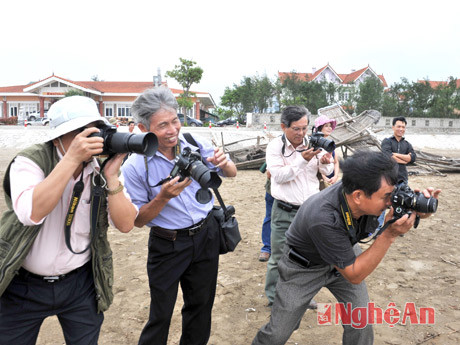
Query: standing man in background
[[293, 168], [399, 148]]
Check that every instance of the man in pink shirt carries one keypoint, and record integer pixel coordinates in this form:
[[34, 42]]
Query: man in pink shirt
[[57, 259], [293, 168]]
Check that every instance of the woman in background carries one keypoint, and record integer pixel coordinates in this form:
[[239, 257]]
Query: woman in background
[[326, 126]]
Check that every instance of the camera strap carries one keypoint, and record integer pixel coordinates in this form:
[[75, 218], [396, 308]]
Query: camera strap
[[283, 148], [96, 194], [347, 217]]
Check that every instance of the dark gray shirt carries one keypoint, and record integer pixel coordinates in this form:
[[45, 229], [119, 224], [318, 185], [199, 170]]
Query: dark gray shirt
[[390, 145], [318, 231]]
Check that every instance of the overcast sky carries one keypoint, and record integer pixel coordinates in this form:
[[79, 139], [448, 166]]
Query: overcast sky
[[130, 40]]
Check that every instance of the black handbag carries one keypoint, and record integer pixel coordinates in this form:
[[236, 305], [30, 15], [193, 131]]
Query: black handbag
[[229, 232]]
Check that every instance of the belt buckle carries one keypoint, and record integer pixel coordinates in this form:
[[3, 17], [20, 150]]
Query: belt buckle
[[193, 231], [51, 279]]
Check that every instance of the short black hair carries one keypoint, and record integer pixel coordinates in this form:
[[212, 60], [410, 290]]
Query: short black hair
[[364, 171], [130, 122], [399, 118], [293, 113]]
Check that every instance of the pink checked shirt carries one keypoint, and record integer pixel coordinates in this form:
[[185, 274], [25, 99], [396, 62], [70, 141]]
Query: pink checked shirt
[[49, 254]]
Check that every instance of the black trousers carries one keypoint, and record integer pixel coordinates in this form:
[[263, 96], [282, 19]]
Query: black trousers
[[28, 301], [192, 262]]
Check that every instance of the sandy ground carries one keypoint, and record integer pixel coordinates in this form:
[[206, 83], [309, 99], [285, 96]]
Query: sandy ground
[[421, 267]]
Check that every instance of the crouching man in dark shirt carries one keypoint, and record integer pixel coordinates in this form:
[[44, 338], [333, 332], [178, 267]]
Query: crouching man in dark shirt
[[322, 251]]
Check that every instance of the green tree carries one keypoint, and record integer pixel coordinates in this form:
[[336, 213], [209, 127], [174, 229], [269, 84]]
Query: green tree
[[444, 100], [186, 75], [74, 92], [293, 93], [253, 95], [370, 95], [390, 102], [420, 96], [264, 92], [231, 100]]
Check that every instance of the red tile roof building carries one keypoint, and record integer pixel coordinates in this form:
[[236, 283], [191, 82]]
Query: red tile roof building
[[327, 74], [113, 98]]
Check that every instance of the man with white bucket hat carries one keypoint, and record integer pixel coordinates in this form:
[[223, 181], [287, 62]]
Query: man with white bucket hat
[[55, 258]]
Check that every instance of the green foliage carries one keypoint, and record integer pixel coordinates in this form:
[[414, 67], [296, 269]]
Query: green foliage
[[370, 95], [404, 98], [444, 100], [252, 95], [186, 75], [223, 113], [74, 92], [312, 95], [184, 102]]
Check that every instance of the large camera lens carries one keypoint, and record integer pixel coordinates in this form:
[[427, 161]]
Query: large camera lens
[[146, 143], [205, 177], [326, 144], [425, 205], [317, 141]]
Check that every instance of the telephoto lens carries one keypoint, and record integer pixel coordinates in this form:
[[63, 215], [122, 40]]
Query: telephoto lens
[[205, 177], [145, 143], [116, 142]]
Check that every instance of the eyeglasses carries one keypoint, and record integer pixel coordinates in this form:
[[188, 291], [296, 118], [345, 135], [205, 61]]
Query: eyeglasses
[[299, 129]]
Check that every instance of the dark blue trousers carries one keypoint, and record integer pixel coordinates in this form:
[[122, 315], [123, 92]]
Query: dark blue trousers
[[28, 301]]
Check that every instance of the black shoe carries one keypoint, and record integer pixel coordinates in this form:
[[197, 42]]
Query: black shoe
[[312, 305]]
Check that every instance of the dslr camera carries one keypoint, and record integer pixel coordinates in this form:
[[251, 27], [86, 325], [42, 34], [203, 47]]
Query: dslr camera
[[189, 163], [317, 140], [116, 142], [404, 200]]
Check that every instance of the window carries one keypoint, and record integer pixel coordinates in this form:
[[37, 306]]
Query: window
[[123, 110], [13, 109], [414, 123], [108, 109], [427, 123], [387, 122], [28, 108], [451, 123]]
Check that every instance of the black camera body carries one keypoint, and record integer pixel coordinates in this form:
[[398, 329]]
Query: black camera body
[[116, 142], [317, 140], [189, 163], [404, 200]]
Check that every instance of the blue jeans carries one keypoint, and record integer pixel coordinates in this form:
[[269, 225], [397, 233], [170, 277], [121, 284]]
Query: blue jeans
[[381, 220], [266, 227]]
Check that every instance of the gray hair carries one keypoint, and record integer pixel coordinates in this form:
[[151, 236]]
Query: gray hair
[[150, 102], [294, 113]]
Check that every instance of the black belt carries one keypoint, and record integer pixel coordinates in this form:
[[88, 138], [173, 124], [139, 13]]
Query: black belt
[[287, 206], [52, 278], [171, 235]]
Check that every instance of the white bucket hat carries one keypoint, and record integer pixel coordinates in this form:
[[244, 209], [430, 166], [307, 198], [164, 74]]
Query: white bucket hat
[[71, 113]]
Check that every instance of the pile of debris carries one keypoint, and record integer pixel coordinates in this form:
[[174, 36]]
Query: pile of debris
[[354, 133]]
